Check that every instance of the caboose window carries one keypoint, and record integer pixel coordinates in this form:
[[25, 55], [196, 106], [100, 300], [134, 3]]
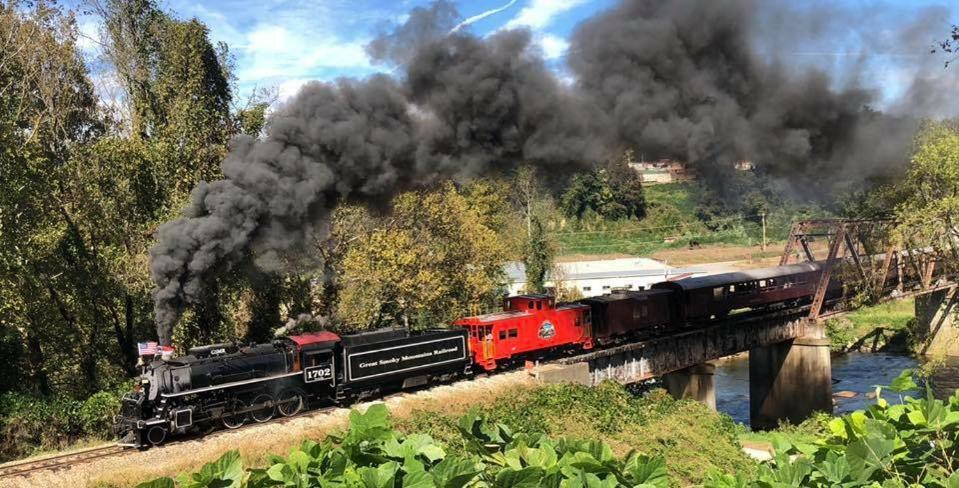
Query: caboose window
[[539, 305], [530, 305], [513, 333], [502, 335]]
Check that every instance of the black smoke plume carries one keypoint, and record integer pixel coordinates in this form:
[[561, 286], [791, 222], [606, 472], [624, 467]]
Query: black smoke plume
[[694, 80], [466, 106], [684, 79]]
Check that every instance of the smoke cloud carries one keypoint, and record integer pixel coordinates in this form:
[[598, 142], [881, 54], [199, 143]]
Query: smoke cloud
[[684, 79]]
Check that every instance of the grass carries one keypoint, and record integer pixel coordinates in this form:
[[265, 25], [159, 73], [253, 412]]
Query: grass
[[875, 328], [671, 223]]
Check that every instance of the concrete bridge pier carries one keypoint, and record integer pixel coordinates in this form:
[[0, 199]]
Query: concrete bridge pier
[[790, 380], [936, 328], [935, 314], [694, 382]]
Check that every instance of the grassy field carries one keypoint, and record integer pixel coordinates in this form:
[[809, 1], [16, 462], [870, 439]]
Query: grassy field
[[881, 327], [671, 224]]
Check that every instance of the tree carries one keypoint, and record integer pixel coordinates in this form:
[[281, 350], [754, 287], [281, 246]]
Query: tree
[[614, 191], [950, 45], [433, 259], [538, 258], [47, 272], [928, 212]]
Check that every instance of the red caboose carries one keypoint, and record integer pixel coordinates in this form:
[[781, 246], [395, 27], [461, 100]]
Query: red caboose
[[530, 324]]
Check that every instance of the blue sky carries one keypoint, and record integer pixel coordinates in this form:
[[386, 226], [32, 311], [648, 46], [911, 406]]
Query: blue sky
[[286, 43]]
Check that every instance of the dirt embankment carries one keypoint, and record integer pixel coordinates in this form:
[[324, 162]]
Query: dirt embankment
[[255, 442]]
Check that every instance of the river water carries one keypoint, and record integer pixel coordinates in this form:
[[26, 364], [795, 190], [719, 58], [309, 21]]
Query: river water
[[855, 372]]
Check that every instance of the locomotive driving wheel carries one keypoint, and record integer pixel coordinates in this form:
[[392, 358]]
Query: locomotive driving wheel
[[234, 415], [290, 402], [263, 408]]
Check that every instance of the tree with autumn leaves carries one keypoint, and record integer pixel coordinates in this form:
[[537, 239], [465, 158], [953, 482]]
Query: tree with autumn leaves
[[436, 257]]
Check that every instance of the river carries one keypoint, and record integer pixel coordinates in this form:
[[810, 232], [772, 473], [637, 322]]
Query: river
[[855, 372]]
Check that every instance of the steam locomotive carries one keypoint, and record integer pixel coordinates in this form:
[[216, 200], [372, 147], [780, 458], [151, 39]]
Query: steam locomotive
[[231, 384]]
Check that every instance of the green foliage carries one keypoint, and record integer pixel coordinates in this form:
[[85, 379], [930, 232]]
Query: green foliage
[[373, 455], [614, 192], [911, 443], [538, 258], [29, 424], [886, 326], [435, 258], [688, 436], [926, 202]]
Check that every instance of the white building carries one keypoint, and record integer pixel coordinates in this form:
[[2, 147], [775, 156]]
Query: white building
[[599, 277]]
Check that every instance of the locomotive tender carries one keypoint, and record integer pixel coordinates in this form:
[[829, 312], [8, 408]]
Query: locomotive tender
[[230, 384]]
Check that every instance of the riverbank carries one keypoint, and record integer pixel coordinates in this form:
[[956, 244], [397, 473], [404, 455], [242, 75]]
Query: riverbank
[[886, 327]]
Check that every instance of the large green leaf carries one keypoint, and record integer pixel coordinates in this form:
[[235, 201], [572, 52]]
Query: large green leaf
[[519, 478], [904, 382], [225, 472], [454, 473], [164, 482]]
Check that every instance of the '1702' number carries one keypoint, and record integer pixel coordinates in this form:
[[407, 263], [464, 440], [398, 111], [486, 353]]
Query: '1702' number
[[318, 373]]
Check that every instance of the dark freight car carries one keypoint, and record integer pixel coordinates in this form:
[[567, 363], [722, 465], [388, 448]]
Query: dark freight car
[[399, 358], [630, 314]]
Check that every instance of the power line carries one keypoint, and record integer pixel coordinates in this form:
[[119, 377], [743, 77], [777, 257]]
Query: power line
[[646, 229]]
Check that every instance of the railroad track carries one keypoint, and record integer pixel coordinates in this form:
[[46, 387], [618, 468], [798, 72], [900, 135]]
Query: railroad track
[[62, 461], [23, 468]]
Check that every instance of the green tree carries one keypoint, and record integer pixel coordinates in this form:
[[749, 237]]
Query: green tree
[[47, 111], [433, 259], [538, 258], [929, 205], [614, 192]]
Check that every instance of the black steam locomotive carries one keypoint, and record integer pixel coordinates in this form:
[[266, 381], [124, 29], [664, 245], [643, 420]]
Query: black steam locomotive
[[229, 384]]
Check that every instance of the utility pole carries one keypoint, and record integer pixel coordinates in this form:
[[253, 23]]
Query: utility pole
[[763, 215]]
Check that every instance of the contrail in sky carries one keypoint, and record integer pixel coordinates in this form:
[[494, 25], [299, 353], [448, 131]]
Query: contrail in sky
[[481, 16]]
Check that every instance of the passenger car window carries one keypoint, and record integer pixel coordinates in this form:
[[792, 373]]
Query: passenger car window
[[718, 293]]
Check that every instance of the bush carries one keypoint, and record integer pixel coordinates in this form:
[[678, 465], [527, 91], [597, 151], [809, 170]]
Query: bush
[[29, 424]]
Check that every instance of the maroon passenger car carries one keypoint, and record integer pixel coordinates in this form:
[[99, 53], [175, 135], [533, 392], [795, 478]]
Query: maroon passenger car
[[714, 296]]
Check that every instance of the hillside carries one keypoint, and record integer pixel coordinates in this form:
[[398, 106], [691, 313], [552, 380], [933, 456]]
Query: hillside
[[672, 223]]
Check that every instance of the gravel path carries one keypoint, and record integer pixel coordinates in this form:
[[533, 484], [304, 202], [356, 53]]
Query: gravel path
[[256, 441]]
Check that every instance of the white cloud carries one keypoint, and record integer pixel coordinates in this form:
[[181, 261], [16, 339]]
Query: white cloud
[[553, 46], [541, 13], [288, 88], [276, 52], [88, 35]]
